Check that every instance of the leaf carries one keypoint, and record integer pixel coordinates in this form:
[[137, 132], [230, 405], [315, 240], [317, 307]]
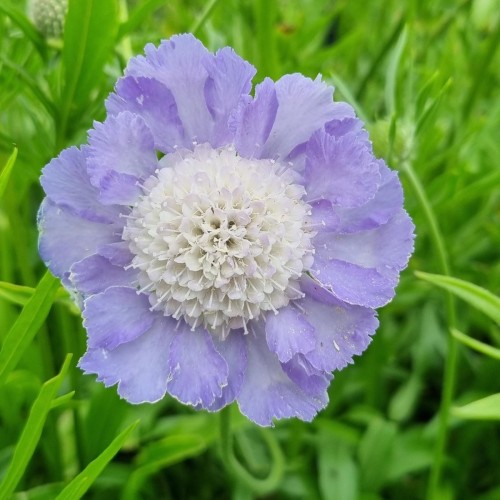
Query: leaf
[[5, 173], [481, 347], [141, 12], [27, 324], [20, 294], [338, 473], [18, 17], [31, 433], [83, 481], [483, 409], [161, 454], [89, 35], [375, 451], [476, 296]]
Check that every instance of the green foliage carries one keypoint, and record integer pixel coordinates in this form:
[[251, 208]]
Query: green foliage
[[424, 76]]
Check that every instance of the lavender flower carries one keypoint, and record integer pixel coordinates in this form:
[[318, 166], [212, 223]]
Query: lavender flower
[[247, 262]]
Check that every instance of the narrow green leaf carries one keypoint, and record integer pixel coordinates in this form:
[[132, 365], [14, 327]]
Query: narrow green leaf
[[483, 409], [62, 400], [481, 347], [141, 12], [31, 433], [82, 482], [392, 72], [20, 294], [89, 35], [159, 455], [476, 296], [27, 324], [5, 173], [17, 16], [31, 84]]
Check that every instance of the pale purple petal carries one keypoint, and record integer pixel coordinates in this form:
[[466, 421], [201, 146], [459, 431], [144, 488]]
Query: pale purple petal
[[96, 273], [116, 316], [139, 367], [288, 333], [197, 372], [383, 206], [253, 122], [309, 379], [345, 125], [230, 78], [386, 247], [267, 391], [180, 64], [324, 216], [66, 183], [234, 351], [155, 104], [341, 170], [342, 331], [66, 238], [354, 284], [121, 154], [117, 253], [304, 106]]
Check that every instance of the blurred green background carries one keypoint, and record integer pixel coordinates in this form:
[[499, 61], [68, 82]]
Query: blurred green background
[[417, 415]]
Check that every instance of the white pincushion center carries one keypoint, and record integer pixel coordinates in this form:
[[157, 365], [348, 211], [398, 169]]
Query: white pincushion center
[[218, 238]]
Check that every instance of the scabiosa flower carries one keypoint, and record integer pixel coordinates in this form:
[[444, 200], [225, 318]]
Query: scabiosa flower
[[222, 246]]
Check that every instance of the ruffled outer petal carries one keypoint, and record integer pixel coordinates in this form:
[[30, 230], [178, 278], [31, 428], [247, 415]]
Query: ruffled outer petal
[[121, 154], [363, 268], [253, 121], [66, 183], [139, 367], [58, 246], [288, 333], [180, 64], [96, 273], [379, 210], [234, 351], [354, 284], [116, 316], [342, 331], [268, 392], [230, 78], [341, 170], [304, 105], [197, 372], [155, 104]]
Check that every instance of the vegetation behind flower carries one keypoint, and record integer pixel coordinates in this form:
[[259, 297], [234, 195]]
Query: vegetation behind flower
[[423, 77]]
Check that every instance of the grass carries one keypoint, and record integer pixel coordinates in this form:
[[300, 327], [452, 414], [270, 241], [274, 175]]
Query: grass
[[417, 415]]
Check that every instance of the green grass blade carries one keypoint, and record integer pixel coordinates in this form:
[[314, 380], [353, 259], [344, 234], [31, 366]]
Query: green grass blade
[[161, 454], [27, 324], [6, 171], [483, 409], [20, 294], [82, 482], [31, 433], [89, 35], [141, 12], [476, 296], [478, 346], [17, 16]]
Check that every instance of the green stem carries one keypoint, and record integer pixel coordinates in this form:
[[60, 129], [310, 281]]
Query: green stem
[[260, 486], [452, 355]]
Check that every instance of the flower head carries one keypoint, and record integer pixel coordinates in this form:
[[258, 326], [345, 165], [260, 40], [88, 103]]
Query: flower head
[[222, 246], [48, 16]]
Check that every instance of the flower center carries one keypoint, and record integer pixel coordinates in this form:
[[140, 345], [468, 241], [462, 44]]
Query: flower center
[[218, 238]]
